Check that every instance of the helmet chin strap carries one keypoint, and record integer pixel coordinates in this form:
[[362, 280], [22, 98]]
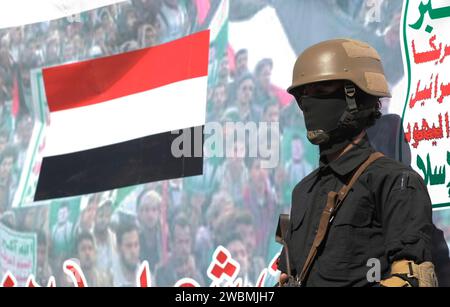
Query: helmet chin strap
[[350, 92], [352, 107]]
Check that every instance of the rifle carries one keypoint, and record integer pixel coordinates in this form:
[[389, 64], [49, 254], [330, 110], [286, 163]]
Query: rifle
[[280, 234]]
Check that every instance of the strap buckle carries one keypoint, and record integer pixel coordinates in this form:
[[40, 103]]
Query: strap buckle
[[350, 92], [411, 274], [298, 280]]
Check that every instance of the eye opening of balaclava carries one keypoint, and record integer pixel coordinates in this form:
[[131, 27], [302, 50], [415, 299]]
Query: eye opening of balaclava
[[334, 119]]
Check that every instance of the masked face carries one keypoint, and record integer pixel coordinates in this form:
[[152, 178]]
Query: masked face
[[321, 117], [323, 107]]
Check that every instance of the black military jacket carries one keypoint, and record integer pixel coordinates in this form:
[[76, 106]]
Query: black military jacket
[[386, 216]]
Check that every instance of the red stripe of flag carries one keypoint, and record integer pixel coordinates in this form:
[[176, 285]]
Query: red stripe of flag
[[15, 108], [95, 81]]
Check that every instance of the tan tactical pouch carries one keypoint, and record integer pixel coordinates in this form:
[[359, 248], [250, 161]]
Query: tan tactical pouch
[[423, 272]]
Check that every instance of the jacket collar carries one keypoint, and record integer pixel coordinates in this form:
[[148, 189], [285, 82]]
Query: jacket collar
[[348, 162]]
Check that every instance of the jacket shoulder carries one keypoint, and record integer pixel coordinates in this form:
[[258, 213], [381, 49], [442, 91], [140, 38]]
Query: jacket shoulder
[[306, 182], [394, 174]]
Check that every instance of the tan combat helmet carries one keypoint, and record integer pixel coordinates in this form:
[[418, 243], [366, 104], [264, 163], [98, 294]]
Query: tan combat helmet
[[341, 59]]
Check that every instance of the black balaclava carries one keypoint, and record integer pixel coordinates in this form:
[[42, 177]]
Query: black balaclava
[[332, 120]]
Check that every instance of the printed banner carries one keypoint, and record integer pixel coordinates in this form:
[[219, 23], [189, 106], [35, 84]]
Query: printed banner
[[17, 254], [426, 53]]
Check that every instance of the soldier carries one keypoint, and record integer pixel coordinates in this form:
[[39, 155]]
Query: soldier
[[359, 207]]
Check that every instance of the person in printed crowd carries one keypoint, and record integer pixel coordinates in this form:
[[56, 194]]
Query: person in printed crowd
[[62, 234], [232, 175], [44, 270], [297, 167], [8, 171], [126, 264], [217, 103], [260, 201], [88, 209], [3, 198], [243, 229], [181, 263], [224, 74], [105, 238], [244, 91], [174, 19], [208, 236], [240, 253], [241, 64], [86, 253], [148, 212]]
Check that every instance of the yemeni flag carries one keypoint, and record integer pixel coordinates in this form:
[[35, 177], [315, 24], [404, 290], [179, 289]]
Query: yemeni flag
[[111, 118]]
